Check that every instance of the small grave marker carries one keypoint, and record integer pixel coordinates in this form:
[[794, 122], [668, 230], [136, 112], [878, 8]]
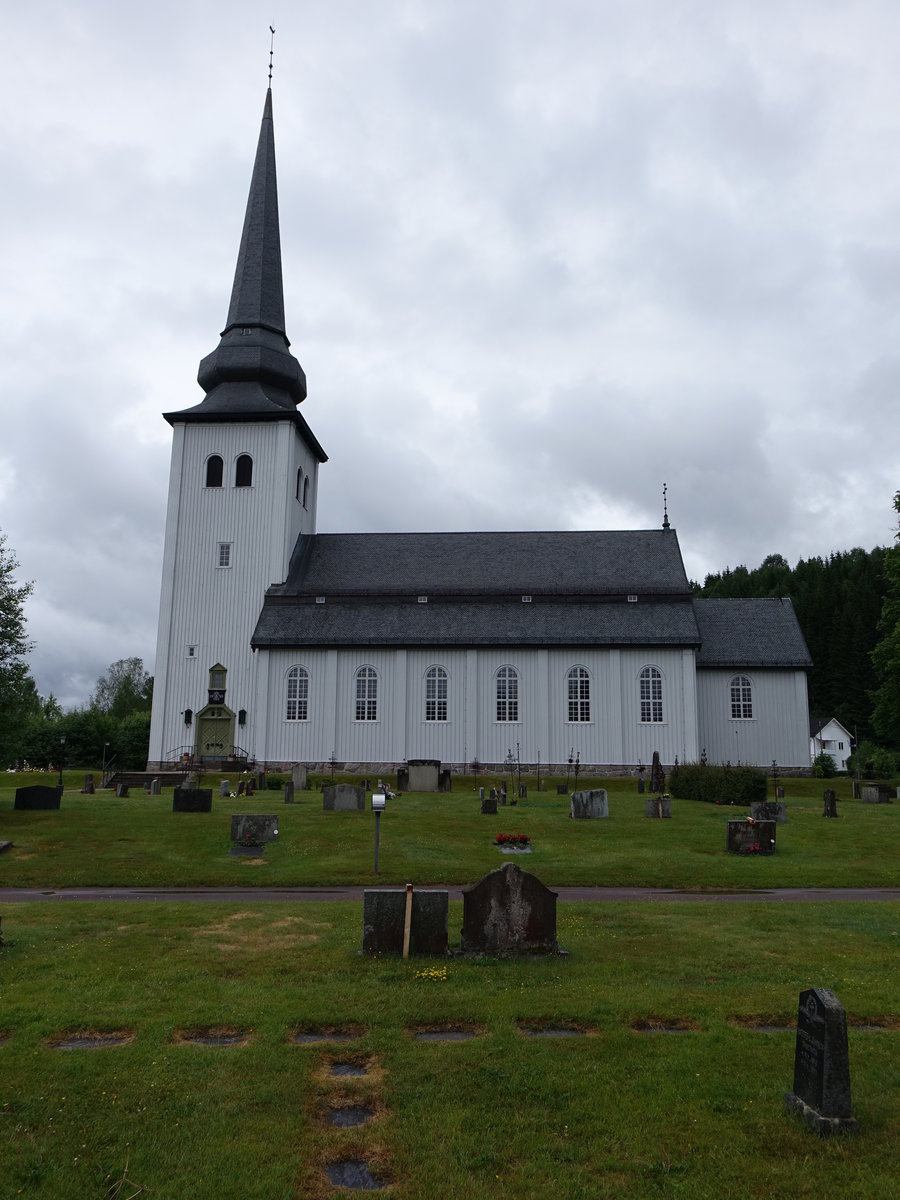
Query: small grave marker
[[289, 792], [489, 803], [589, 806], [821, 1095], [830, 803]]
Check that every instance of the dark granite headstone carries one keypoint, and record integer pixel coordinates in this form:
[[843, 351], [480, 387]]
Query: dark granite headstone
[[289, 792], [830, 799], [509, 912], [751, 837], [260, 781], [122, 791], [657, 806], [562, 789], [641, 785], [445, 781], [523, 791], [402, 780], [489, 803], [192, 800], [88, 788], [589, 806], [241, 788], [253, 829], [657, 774], [343, 797], [384, 914], [821, 1095], [769, 810], [37, 796]]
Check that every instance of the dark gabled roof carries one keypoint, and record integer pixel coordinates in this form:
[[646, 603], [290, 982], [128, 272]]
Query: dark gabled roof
[[641, 562], [817, 724], [750, 633], [349, 622]]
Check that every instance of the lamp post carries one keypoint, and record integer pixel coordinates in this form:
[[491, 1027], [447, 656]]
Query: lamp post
[[62, 747], [378, 802]]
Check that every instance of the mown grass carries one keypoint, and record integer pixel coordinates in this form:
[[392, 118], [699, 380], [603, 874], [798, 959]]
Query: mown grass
[[139, 841], [615, 1113]]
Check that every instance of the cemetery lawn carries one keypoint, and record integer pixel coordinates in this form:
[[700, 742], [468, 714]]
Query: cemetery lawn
[[614, 1113], [429, 839]]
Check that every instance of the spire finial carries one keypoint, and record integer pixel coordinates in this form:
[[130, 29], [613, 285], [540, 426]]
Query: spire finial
[[271, 51], [665, 523]]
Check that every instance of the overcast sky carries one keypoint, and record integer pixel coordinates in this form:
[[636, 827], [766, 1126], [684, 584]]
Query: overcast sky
[[539, 259]]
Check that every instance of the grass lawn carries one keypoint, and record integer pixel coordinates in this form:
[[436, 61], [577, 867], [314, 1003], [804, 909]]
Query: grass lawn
[[139, 841], [622, 1110], [614, 1113]]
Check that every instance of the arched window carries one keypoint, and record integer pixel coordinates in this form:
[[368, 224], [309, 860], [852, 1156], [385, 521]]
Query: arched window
[[297, 695], [507, 694], [305, 491], [243, 471], [651, 696], [741, 699], [214, 469], [366, 694], [299, 492], [435, 694], [579, 685]]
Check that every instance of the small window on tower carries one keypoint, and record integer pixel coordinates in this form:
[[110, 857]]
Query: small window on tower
[[214, 471], [192, 651], [243, 471], [224, 558], [306, 492], [299, 492]]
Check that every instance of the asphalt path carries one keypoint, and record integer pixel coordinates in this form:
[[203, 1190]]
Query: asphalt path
[[299, 894]]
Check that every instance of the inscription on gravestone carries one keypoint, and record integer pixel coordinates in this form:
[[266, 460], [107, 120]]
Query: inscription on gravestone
[[821, 1095]]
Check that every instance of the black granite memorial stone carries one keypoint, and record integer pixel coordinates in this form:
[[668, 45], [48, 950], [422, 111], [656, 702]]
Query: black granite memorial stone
[[751, 837], [509, 912], [384, 913], [37, 796], [489, 803], [253, 829], [192, 800], [821, 1095], [830, 803]]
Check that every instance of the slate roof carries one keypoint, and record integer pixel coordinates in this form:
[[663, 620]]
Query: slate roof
[[750, 633], [597, 563]]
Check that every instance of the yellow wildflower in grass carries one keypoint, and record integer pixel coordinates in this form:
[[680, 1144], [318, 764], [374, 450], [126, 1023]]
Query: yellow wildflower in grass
[[438, 973]]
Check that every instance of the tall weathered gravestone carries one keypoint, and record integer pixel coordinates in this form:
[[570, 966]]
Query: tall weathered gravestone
[[830, 803], [589, 806], [821, 1095], [509, 912], [298, 777], [657, 775], [289, 792], [343, 797], [384, 914]]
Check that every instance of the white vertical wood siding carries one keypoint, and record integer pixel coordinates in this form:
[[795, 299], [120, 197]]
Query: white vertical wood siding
[[779, 728], [213, 608]]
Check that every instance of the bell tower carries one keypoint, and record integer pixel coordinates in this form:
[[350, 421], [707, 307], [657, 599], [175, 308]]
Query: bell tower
[[243, 486]]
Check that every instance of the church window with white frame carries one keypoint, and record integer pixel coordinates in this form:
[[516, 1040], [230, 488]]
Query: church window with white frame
[[366, 694], [578, 682], [435, 694], [297, 694], [507, 690], [741, 699], [651, 696], [223, 557]]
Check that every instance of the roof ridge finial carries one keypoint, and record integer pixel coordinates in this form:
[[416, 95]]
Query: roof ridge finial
[[271, 51], [665, 523]]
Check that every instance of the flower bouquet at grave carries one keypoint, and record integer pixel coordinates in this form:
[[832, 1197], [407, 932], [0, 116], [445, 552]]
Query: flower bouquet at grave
[[512, 839]]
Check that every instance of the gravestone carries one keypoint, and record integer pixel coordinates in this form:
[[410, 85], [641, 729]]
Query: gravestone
[[224, 788], [658, 806], [37, 796], [589, 806], [289, 792], [444, 780], [250, 789], [260, 781], [821, 1095], [154, 787], [876, 793], [562, 789], [192, 800], [402, 779], [253, 829], [481, 794], [830, 799], [657, 774], [751, 837], [424, 774], [523, 791], [769, 810], [343, 797], [489, 803], [384, 914], [241, 788], [509, 912], [122, 791], [88, 788], [501, 795], [779, 792], [298, 777], [641, 785]]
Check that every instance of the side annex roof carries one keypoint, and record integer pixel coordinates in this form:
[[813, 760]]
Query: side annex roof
[[750, 633]]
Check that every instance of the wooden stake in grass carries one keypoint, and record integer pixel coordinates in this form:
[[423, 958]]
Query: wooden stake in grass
[[407, 920]]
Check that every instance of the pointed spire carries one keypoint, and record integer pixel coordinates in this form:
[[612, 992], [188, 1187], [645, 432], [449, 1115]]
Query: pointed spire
[[665, 523], [254, 349]]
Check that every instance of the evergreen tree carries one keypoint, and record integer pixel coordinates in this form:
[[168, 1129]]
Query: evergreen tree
[[18, 696], [886, 655]]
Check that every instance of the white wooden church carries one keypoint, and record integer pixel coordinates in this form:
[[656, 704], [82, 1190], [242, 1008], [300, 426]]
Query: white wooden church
[[281, 645]]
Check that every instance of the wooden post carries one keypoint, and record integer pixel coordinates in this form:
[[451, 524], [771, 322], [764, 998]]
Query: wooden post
[[407, 920]]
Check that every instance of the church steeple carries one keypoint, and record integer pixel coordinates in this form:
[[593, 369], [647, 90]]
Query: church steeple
[[252, 369]]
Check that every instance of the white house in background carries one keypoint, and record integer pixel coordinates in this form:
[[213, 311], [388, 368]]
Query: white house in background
[[828, 736], [280, 644]]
